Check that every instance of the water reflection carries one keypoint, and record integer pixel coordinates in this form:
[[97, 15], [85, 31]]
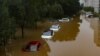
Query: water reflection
[[68, 31]]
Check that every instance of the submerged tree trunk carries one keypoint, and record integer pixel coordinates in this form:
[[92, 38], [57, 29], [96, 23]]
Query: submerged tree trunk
[[7, 53], [22, 30]]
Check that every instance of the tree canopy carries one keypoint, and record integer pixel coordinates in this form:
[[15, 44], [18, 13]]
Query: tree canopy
[[24, 13]]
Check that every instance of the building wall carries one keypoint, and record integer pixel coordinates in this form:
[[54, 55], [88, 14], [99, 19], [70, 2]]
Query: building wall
[[87, 3], [92, 3], [96, 5]]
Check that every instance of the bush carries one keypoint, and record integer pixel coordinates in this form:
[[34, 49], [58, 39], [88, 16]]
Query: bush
[[88, 9]]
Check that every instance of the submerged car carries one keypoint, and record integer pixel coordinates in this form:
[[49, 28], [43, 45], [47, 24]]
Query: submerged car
[[55, 27], [32, 46], [64, 20], [48, 34], [89, 14]]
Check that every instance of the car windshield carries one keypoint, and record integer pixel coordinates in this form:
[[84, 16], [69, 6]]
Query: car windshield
[[55, 26], [48, 33]]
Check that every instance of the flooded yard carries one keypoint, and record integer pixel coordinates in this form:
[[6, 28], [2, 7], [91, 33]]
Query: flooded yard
[[78, 37]]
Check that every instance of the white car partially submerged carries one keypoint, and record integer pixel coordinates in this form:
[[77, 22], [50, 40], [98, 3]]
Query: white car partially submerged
[[48, 34], [64, 20], [55, 27], [89, 14]]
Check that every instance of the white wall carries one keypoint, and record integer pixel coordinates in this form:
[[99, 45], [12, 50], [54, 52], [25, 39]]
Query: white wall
[[92, 3]]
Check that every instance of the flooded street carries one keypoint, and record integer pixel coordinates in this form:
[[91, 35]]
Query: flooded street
[[85, 42], [78, 37]]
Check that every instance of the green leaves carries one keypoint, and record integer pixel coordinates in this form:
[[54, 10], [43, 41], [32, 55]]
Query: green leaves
[[70, 7], [7, 24], [88, 9], [28, 12], [55, 11]]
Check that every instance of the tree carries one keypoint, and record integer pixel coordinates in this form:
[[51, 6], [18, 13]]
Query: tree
[[7, 25], [29, 12], [88, 9], [70, 7], [17, 10], [55, 11]]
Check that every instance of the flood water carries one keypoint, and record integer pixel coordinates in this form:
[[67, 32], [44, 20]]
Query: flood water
[[78, 37]]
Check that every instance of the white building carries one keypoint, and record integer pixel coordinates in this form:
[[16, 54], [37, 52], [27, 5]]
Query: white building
[[92, 3]]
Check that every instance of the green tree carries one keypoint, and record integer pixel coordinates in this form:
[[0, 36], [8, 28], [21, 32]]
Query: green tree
[[17, 10], [70, 7], [88, 9], [29, 12], [7, 25], [56, 11]]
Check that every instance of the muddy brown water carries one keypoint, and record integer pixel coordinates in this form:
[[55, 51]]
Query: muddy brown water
[[78, 37]]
